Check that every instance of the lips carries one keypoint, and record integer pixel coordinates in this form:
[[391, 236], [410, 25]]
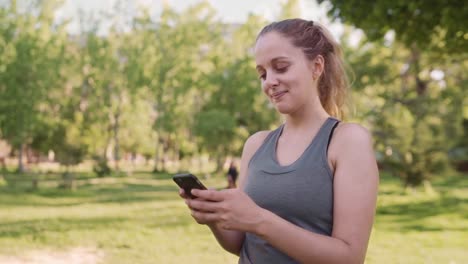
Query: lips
[[277, 95]]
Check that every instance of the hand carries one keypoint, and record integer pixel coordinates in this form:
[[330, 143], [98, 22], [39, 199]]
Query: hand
[[229, 209], [182, 194], [187, 199]]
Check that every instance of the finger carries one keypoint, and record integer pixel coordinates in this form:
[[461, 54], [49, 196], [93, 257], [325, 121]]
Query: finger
[[201, 205], [183, 194], [203, 217], [211, 195]]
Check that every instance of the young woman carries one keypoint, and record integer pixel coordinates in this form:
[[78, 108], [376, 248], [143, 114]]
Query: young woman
[[307, 190]]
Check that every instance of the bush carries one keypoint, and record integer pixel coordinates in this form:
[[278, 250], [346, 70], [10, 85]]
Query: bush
[[101, 168]]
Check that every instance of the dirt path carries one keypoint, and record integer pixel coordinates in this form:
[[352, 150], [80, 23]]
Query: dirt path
[[79, 255]]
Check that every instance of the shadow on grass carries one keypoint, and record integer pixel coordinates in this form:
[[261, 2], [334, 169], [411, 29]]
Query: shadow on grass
[[393, 185], [451, 182], [410, 216], [426, 228], [131, 192], [152, 175], [120, 192], [443, 205], [37, 227], [443, 212]]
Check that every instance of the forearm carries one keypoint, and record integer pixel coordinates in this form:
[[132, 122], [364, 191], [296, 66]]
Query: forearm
[[303, 245], [230, 240]]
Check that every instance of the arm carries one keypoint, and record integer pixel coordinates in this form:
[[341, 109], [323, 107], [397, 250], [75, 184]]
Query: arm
[[232, 240], [355, 193]]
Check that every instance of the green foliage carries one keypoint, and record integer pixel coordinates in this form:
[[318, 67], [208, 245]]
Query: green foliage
[[216, 128], [141, 91], [416, 119], [66, 139], [100, 167], [413, 86], [236, 89], [430, 25], [30, 52], [183, 84]]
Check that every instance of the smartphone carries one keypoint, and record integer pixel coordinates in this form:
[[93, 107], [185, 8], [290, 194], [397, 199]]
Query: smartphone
[[188, 181]]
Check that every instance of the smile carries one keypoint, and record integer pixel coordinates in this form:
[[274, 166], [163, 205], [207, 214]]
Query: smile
[[276, 96]]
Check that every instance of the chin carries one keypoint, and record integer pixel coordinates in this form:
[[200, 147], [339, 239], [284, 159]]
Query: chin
[[284, 109]]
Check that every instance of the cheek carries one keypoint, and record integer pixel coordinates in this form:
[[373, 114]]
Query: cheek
[[292, 78], [264, 88], [300, 84]]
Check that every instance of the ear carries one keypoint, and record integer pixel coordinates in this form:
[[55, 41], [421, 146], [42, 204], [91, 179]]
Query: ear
[[318, 65]]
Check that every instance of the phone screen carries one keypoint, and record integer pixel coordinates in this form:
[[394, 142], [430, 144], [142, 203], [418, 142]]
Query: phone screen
[[188, 182]]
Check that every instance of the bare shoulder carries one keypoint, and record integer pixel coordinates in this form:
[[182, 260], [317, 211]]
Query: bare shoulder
[[353, 151], [250, 147], [350, 141], [255, 141], [352, 135]]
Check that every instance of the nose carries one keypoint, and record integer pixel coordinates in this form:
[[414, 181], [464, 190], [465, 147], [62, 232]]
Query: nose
[[271, 81]]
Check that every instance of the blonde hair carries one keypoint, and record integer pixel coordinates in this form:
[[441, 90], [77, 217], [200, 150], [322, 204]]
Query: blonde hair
[[314, 40]]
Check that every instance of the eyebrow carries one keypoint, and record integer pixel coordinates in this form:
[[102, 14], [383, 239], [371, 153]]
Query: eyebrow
[[273, 61]]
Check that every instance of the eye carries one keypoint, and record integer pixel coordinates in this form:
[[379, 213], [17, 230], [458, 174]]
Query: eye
[[282, 69], [261, 75]]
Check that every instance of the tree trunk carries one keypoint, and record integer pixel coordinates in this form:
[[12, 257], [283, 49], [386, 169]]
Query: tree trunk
[[116, 135], [219, 163], [67, 179], [176, 156], [421, 85], [156, 155], [108, 142], [165, 154], [35, 182], [20, 159], [2, 161]]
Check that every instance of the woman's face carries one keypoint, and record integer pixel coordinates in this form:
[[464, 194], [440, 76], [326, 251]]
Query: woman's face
[[285, 73]]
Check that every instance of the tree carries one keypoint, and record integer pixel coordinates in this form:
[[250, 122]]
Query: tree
[[421, 113], [234, 91], [415, 116], [216, 129], [428, 25], [32, 51], [173, 71]]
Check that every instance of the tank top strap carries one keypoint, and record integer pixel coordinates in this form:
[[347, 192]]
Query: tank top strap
[[274, 134], [324, 137], [267, 144]]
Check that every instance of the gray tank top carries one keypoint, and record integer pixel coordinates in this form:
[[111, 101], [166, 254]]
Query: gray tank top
[[301, 193]]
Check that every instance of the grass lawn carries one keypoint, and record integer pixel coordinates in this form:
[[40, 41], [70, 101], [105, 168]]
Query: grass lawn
[[140, 219]]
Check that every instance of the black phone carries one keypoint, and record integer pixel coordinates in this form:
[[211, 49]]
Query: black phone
[[188, 181]]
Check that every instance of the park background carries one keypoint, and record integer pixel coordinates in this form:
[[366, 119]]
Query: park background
[[102, 101]]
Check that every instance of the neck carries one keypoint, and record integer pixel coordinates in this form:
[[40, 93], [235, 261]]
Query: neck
[[307, 117]]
